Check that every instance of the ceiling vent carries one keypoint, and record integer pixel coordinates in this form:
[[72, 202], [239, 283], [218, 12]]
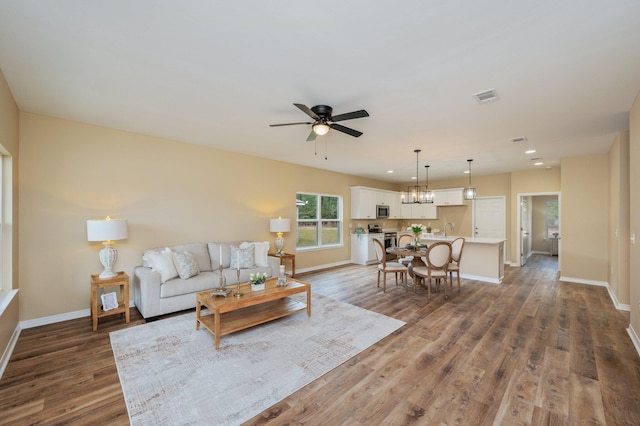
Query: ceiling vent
[[519, 139], [486, 96]]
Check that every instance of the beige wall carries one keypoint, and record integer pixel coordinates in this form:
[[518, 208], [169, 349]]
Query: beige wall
[[9, 149], [619, 218], [634, 205], [170, 192], [584, 218]]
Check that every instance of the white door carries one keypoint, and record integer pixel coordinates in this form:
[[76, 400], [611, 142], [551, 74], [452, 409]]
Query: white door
[[525, 230], [490, 217]]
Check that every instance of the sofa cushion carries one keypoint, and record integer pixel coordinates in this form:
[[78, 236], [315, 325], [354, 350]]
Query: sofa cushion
[[162, 262], [185, 264], [176, 287], [245, 256], [200, 253], [261, 251]]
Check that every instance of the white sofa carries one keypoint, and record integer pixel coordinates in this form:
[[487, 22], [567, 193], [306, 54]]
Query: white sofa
[[157, 291]]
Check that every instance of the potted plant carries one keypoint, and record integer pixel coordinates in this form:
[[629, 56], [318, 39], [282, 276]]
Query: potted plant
[[417, 229], [257, 281]]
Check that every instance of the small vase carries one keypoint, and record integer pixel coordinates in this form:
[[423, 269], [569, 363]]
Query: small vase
[[257, 287], [416, 239]]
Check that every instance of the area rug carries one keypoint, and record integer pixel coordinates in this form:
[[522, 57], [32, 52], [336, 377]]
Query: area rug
[[171, 374]]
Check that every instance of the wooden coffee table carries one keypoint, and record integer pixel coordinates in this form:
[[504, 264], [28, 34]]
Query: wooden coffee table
[[231, 314]]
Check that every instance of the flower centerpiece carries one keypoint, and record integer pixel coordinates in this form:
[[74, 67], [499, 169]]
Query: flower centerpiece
[[417, 229], [257, 280]]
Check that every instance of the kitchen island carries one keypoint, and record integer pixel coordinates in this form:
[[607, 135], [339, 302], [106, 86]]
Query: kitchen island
[[482, 258]]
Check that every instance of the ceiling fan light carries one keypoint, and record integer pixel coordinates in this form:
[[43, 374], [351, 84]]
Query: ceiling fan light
[[321, 129]]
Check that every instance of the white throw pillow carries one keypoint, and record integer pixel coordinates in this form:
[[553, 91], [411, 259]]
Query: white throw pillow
[[261, 250], [185, 264], [246, 257], [162, 262]]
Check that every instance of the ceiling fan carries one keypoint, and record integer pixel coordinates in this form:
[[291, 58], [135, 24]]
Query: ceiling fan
[[324, 121]]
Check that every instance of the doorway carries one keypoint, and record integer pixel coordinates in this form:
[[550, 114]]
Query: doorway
[[538, 225], [490, 218]]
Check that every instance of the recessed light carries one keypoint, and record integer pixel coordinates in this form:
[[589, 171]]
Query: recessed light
[[466, 172], [539, 163], [389, 171], [548, 167], [413, 178], [530, 151]]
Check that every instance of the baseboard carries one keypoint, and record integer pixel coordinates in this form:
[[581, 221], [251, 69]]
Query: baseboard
[[619, 306], [9, 350], [480, 278], [583, 281], [52, 319], [634, 338], [321, 267]]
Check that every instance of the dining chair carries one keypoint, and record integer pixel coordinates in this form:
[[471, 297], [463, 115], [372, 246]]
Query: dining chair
[[384, 266], [437, 260], [456, 256], [403, 240]]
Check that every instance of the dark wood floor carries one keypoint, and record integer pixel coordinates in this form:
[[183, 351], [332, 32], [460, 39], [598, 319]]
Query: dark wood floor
[[530, 351]]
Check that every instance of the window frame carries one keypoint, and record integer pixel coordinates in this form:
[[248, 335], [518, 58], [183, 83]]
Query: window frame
[[319, 220]]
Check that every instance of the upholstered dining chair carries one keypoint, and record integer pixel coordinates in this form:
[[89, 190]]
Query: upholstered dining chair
[[456, 256], [437, 260], [403, 240], [384, 266]]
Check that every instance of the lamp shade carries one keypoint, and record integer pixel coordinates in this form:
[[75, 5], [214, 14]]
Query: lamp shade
[[107, 230], [279, 225]]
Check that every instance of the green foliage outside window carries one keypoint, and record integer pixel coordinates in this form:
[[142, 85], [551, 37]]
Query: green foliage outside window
[[319, 220]]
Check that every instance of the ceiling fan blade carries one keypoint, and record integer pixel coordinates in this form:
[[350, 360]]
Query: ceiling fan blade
[[350, 115], [308, 111], [312, 136], [346, 130], [288, 124]]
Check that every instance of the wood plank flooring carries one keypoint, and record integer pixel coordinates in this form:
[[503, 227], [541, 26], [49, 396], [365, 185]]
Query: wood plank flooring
[[532, 350]]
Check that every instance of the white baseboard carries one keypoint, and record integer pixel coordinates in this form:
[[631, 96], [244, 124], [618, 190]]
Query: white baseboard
[[325, 266], [619, 306], [583, 281], [480, 278], [9, 350], [52, 319], [634, 338]]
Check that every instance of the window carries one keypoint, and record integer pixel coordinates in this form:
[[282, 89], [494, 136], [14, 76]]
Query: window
[[319, 221], [551, 219]]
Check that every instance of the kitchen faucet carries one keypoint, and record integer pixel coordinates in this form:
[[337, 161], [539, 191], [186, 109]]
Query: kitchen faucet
[[444, 229]]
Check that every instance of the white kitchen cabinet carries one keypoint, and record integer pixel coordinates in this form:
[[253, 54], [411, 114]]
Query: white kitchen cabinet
[[419, 211], [363, 203], [363, 251], [449, 197]]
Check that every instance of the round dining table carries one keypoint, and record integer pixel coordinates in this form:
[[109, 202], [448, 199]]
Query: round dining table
[[416, 252]]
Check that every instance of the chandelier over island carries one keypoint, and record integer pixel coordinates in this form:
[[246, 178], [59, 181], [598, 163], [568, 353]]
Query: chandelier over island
[[416, 194]]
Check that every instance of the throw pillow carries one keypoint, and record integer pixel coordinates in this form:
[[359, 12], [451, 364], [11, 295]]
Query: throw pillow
[[162, 262], [245, 256], [185, 264], [261, 251]]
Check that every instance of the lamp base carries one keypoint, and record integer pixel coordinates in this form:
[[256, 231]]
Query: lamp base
[[108, 256]]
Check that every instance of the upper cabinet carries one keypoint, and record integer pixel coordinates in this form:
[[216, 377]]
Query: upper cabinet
[[419, 211], [364, 201], [449, 197]]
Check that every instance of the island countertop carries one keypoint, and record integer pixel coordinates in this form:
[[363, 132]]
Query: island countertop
[[467, 240]]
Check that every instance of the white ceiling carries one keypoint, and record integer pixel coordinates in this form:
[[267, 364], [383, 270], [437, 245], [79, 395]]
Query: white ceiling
[[217, 73]]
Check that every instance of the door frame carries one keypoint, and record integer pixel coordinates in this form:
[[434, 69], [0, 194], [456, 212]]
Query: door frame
[[519, 197]]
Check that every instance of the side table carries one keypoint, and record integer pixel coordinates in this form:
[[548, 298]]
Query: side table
[[121, 280], [287, 256]]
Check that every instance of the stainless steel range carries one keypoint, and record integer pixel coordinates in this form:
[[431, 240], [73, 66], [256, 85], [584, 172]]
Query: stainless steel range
[[389, 238]]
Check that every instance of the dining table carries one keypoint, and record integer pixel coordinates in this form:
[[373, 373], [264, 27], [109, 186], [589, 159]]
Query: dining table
[[417, 253]]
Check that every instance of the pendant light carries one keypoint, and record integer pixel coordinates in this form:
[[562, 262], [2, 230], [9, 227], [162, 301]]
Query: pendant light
[[470, 191], [414, 193], [428, 195]]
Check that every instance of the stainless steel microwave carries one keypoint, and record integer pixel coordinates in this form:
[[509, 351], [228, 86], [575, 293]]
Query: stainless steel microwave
[[382, 212]]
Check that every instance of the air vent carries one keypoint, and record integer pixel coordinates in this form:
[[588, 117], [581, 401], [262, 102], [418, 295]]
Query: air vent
[[486, 96], [519, 139]]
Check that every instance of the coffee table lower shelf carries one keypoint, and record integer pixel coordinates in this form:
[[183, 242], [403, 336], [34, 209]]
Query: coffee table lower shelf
[[251, 316]]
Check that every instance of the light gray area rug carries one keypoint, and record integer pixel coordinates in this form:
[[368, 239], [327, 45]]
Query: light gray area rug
[[172, 375]]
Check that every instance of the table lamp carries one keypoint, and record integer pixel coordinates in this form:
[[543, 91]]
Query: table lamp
[[107, 231], [279, 226]]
